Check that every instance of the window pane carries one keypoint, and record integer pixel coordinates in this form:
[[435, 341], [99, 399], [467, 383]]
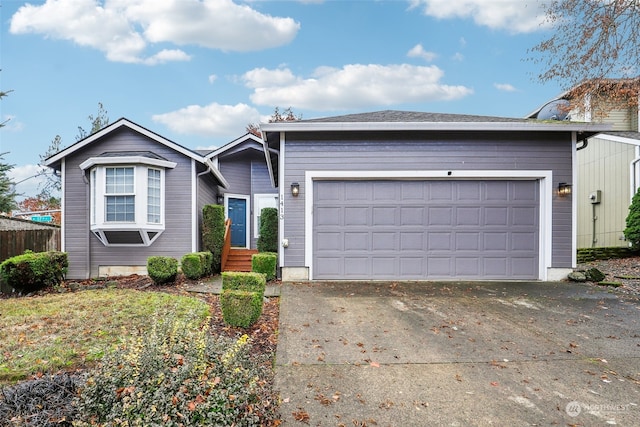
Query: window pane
[[153, 196], [119, 180], [120, 208]]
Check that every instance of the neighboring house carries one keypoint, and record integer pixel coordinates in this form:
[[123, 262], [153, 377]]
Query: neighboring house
[[127, 194], [395, 195], [608, 166], [242, 163]]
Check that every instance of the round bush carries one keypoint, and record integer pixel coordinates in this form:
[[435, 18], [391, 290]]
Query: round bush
[[162, 269]]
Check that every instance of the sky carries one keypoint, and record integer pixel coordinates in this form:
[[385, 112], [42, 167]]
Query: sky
[[198, 72]]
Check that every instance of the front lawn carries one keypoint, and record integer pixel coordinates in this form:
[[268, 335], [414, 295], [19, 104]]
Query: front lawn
[[149, 355], [62, 331]]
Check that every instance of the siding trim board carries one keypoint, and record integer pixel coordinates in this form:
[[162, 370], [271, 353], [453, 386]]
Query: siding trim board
[[544, 178]]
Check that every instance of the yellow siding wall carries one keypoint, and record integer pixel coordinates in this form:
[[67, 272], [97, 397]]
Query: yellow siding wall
[[603, 165]]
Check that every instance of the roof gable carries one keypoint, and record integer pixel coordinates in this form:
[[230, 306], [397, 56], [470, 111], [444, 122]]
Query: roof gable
[[245, 142], [118, 124]]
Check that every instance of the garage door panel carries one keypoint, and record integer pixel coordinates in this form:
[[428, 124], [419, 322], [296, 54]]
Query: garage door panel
[[329, 216], [439, 216], [467, 267], [467, 241], [498, 266], [524, 242], [329, 241], [498, 216], [495, 241], [439, 241], [356, 241], [412, 241], [412, 215], [357, 215], [468, 216], [526, 216], [454, 229], [383, 216]]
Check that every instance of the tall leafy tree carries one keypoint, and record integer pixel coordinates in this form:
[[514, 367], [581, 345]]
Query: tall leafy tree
[[594, 49]]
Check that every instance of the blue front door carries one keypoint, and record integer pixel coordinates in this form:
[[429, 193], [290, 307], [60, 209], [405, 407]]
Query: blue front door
[[238, 215]]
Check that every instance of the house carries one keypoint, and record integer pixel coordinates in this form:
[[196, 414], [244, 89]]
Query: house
[[127, 194], [608, 164], [395, 195]]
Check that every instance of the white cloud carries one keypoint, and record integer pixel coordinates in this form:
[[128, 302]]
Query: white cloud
[[505, 87], [516, 16], [418, 52], [352, 86], [213, 120], [124, 29], [27, 183], [458, 57], [212, 78]]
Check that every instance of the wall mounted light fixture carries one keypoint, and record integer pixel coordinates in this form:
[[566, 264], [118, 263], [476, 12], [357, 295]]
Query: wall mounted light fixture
[[564, 189], [220, 199], [295, 189]]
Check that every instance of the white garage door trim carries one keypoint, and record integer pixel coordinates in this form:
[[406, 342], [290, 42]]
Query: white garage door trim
[[544, 177]]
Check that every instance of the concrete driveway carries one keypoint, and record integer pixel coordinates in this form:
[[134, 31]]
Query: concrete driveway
[[459, 354]]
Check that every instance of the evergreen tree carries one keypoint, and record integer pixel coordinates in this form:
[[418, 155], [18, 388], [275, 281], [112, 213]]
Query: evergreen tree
[[7, 193], [632, 231]]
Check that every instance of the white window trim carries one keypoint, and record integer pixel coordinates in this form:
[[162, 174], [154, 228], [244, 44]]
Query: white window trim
[[247, 198], [149, 232], [256, 203]]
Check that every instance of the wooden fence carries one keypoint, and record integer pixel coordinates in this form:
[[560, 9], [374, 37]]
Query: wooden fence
[[15, 242]]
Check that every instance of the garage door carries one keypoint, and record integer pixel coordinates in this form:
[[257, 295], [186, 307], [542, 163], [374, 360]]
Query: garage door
[[425, 229]]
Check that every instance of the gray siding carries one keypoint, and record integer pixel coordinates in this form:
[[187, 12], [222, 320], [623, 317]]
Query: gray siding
[[247, 174], [207, 192], [175, 240], [424, 152]]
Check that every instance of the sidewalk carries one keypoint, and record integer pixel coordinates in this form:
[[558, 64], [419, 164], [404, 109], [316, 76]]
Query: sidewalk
[[213, 285]]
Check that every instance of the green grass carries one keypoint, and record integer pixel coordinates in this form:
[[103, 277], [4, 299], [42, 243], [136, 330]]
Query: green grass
[[60, 331]]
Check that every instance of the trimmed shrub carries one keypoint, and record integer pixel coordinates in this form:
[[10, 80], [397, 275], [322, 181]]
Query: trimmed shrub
[[196, 264], [268, 239], [265, 263], [162, 269], [241, 281], [213, 233], [192, 266], [207, 259], [240, 308], [33, 271], [179, 373]]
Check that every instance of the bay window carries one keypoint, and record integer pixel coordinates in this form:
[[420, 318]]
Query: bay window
[[127, 199]]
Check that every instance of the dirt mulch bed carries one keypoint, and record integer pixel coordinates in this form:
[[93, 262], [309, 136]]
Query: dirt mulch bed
[[623, 271]]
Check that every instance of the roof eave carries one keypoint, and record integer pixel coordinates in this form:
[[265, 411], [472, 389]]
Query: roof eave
[[533, 126]]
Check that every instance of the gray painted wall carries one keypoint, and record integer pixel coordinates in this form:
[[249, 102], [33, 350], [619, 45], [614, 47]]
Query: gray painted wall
[[427, 151], [175, 240], [247, 174]]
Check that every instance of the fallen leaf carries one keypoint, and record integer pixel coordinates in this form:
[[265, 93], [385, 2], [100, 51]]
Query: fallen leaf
[[301, 416], [374, 364], [495, 383]]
